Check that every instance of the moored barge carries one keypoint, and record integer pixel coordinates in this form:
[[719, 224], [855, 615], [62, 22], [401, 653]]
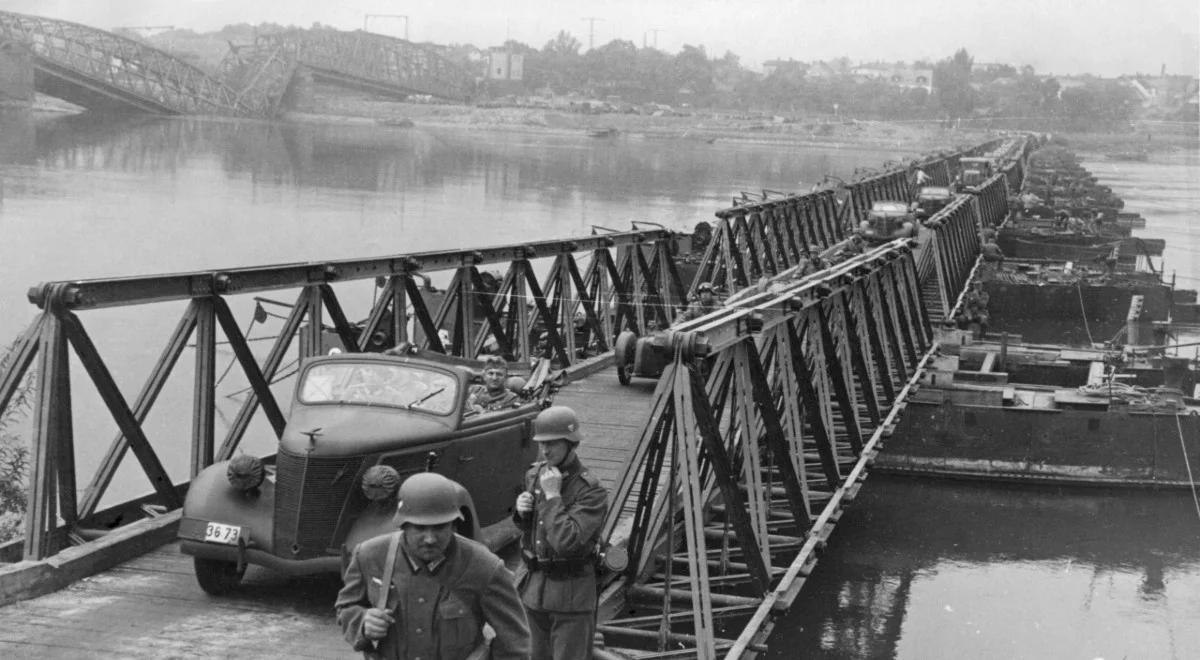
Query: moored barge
[[1015, 413]]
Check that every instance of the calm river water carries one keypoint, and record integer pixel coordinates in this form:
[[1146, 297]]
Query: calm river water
[[915, 570]]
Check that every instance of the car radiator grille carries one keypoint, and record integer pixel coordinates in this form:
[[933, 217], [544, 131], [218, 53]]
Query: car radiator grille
[[309, 496]]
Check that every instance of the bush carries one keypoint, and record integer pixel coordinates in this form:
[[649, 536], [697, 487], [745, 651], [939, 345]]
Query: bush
[[14, 455]]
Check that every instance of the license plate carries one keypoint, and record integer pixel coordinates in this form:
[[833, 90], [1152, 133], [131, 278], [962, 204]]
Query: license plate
[[219, 533]]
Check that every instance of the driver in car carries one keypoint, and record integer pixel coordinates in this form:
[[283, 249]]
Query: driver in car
[[493, 394]]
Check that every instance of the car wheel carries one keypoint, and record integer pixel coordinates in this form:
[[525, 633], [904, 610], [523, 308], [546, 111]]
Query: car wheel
[[623, 354], [622, 374], [217, 577]]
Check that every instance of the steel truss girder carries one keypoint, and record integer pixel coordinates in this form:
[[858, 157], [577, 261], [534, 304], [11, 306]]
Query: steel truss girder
[[763, 239], [779, 367], [606, 299], [123, 69]]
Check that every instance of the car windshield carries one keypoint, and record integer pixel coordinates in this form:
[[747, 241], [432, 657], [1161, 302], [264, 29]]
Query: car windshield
[[396, 385], [889, 207]]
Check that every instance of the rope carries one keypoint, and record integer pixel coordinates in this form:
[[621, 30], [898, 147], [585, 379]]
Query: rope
[[245, 336], [1083, 311], [1188, 465], [279, 377]]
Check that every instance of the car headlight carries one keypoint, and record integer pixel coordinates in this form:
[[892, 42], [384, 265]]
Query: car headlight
[[245, 472], [380, 482]]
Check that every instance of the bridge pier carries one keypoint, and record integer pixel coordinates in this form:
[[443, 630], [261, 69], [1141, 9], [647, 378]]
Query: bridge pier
[[299, 95], [16, 75]]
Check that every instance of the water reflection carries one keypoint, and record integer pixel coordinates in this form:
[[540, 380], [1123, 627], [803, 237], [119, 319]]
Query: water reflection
[[932, 569], [389, 159]]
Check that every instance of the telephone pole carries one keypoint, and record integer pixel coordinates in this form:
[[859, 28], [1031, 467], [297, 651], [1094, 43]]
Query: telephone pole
[[592, 30]]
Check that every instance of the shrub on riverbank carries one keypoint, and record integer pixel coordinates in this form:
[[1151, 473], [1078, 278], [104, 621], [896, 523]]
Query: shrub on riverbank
[[14, 456]]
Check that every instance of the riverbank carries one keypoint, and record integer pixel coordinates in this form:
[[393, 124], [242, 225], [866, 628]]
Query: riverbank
[[712, 126], [702, 126]]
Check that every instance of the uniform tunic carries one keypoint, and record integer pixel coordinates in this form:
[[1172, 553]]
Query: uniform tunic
[[480, 396], [439, 608], [562, 608]]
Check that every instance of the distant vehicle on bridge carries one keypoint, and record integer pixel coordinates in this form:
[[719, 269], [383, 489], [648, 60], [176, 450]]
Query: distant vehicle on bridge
[[931, 199], [976, 170], [887, 221], [351, 412]]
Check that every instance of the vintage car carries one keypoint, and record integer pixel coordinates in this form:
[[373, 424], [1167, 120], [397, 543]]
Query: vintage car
[[931, 199], [352, 411], [887, 221], [976, 169]]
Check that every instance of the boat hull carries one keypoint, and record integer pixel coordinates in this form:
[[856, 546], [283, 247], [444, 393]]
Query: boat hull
[[1109, 448]]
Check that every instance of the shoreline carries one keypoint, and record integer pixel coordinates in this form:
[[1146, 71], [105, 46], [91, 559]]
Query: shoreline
[[704, 126]]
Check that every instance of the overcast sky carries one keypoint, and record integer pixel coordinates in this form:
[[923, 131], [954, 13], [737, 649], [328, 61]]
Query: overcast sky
[[1105, 37]]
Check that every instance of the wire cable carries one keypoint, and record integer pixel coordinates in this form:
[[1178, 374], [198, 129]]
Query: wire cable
[[1188, 465], [1083, 312]]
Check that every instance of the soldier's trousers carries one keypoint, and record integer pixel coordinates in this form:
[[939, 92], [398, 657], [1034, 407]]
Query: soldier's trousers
[[561, 636]]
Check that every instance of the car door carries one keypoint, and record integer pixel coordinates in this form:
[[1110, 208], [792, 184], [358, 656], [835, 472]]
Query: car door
[[490, 456]]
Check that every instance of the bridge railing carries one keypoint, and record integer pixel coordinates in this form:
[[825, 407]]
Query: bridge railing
[[160, 81], [894, 186], [952, 243], [626, 281], [763, 239], [754, 429]]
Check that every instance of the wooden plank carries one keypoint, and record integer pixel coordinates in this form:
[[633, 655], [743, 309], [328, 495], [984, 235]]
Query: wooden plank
[[151, 607]]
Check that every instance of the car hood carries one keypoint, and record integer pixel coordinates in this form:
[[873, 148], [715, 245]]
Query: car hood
[[345, 430]]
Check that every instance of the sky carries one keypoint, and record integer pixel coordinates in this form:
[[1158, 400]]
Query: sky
[[1062, 37]]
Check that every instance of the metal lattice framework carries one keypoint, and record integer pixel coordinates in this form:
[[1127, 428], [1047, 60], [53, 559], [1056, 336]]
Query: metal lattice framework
[[361, 59], [628, 280], [92, 67], [777, 433], [763, 239]]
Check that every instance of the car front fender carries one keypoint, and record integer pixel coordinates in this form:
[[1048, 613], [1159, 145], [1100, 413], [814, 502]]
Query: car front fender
[[212, 499]]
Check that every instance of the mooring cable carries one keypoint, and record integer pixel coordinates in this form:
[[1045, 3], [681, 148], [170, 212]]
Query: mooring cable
[[1188, 465], [1083, 312]]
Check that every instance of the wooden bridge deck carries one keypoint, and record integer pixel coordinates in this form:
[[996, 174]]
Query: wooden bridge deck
[[151, 606]]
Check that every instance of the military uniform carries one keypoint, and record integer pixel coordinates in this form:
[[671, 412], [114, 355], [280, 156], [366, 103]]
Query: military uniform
[[557, 578], [480, 396], [697, 309], [440, 608]]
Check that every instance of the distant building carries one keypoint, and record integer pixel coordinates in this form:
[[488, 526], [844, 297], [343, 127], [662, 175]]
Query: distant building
[[788, 66], [505, 65], [898, 75], [988, 67], [821, 70]]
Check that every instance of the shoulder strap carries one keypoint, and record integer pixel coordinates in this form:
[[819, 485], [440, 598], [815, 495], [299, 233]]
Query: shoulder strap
[[388, 565]]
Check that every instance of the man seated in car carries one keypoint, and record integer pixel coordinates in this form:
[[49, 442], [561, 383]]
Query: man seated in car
[[493, 394]]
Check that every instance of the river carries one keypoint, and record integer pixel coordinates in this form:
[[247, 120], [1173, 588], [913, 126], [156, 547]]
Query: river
[[915, 570]]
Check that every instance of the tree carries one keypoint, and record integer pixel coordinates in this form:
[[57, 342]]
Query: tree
[[560, 64], [952, 84], [691, 70], [563, 45]]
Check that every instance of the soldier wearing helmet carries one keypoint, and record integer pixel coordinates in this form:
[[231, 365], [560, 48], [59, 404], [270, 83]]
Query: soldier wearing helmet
[[424, 591], [706, 301], [559, 513]]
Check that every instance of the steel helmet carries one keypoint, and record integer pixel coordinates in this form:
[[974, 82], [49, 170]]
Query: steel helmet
[[428, 498], [557, 423]]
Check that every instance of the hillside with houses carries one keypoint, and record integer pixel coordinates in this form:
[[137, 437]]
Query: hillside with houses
[[620, 77]]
